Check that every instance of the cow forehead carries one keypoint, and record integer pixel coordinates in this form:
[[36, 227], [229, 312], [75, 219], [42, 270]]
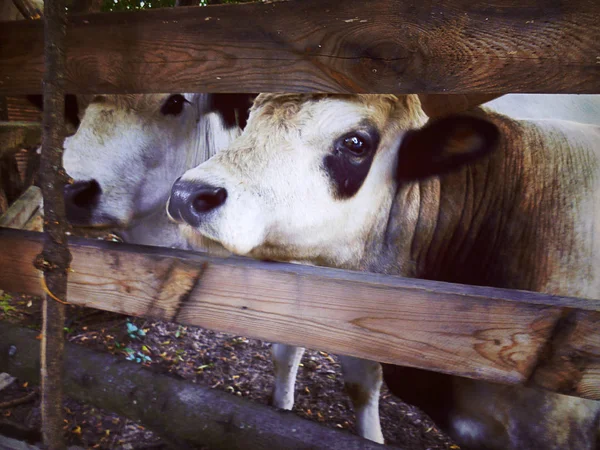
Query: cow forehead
[[331, 112], [139, 103]]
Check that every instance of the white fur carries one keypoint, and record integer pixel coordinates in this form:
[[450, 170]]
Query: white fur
[[260, 213], [135, 153], [363, 380], [575, 108], [286, 359]]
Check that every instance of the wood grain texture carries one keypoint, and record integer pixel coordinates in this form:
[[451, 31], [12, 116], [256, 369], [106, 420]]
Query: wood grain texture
[[572, 361], [35, 222], [440, 46], [21, 211], [491, 334]]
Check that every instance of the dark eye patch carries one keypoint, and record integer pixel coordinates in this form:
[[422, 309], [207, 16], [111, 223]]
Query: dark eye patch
[[348, 165]]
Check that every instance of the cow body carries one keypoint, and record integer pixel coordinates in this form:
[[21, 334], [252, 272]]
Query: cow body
[[325, 180], [532, 205], [575, 108], [525, 218]]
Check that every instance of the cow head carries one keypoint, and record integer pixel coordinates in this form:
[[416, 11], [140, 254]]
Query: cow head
[[313, 177], [129, 149]]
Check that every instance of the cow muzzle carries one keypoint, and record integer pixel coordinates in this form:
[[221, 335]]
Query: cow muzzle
[[81, 199], [191, 202]]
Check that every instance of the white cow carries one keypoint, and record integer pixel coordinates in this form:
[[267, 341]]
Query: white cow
[[575, 108], [366, 183], [129, 150]]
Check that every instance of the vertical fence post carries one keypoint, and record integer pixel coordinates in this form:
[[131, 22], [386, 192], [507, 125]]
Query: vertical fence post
[[55, 258]]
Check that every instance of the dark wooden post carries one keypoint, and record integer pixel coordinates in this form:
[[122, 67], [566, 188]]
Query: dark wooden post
[[55, 258]]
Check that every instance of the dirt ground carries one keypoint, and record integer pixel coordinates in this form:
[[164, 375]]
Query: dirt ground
[[232, 364]]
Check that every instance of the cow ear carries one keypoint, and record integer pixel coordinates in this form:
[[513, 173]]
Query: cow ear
[[443, 145]]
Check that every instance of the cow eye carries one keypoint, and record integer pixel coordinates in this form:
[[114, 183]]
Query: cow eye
[[355, 143], [173, 105]]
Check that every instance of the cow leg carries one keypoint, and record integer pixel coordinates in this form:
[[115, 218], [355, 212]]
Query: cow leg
[[363, 379], [285, 360]]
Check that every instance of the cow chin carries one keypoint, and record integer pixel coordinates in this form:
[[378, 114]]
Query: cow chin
[[240, 235], [100, 217], [95, 220]]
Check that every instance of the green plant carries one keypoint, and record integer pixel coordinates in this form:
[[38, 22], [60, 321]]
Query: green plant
[[6, 307]]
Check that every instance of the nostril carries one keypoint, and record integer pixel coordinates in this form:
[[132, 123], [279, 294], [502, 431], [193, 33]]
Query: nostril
[[83, 194], [191, 200], [208, 198]]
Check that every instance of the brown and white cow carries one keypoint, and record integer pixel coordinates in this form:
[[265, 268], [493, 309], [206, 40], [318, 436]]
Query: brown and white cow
[[125, 156], [367, 183]]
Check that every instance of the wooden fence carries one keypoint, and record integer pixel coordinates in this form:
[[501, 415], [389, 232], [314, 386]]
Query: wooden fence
[[396, 46], [498, 335], [451, 46]]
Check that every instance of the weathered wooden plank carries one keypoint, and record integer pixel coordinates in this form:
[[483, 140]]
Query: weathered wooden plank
[[17, 135], [35, 222], [21, 211], [485, 333], [572, 362], [443, 46], [20, 109]]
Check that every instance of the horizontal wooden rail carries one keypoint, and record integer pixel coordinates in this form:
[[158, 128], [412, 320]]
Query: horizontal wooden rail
[[393, 46], [498, 335]]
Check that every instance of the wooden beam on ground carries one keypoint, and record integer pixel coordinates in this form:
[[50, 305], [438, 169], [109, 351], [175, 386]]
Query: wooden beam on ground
[[17, 135], [451, 46], [21, 211], [492, 334], [186, 415]]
